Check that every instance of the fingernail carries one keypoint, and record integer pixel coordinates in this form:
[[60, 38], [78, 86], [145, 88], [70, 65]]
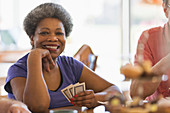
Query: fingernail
[[71, 99], [72, 103], [75, 95]]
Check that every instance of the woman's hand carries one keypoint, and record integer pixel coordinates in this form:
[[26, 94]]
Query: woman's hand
[[46, 58], [86, 98]]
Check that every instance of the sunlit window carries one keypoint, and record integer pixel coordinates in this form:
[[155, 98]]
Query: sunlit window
[[98, 24]]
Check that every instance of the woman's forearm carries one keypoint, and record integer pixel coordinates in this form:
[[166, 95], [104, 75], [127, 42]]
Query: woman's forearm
[[36, 94]]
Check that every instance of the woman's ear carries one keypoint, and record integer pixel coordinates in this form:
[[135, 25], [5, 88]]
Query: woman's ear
[[32, 41], [165, 9]]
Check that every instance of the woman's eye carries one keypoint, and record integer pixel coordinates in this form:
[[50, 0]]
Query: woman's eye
[[59, 33], [43, 33]]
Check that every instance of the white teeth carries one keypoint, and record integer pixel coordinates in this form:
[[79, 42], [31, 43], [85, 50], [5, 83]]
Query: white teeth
[[52, 47]]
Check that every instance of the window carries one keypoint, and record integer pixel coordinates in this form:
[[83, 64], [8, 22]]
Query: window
[[144, 15]]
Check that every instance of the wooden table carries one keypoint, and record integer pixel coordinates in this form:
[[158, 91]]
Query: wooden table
[[12, 56]]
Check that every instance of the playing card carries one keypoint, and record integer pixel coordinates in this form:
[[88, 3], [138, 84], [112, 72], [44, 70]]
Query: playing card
[[72, 90], [66, 93], [79, 87]]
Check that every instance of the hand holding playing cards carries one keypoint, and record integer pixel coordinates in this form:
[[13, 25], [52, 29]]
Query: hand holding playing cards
[[86, 98], [78, 95]]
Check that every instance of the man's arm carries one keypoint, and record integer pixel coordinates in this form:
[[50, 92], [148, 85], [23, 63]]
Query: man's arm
[[159, 69]]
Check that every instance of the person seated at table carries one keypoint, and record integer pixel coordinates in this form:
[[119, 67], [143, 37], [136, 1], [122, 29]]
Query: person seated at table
[[12, 106], [38, 77], [156, 43]]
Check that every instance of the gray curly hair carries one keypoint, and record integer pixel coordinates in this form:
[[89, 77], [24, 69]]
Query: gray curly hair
[[47, 10]]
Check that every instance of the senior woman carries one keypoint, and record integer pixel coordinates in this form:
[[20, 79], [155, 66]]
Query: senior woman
[[38, 77]]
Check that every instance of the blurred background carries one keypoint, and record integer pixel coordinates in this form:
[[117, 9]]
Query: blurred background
[[110, 27]]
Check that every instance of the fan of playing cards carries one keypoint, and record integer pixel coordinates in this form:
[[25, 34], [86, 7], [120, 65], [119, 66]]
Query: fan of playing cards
[[72, 90]]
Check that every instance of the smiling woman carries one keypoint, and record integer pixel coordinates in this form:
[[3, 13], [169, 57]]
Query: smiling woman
[[41, 74]]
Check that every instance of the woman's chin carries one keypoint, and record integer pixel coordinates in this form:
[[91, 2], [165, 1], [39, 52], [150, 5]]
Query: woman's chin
[[54, 55]]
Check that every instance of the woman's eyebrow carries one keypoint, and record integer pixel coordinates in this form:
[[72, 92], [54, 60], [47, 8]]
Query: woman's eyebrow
[[45, 28], [58, 29], [49, 29]]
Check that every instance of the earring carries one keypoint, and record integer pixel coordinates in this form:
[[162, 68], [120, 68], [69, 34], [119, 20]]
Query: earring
[[32, 44]]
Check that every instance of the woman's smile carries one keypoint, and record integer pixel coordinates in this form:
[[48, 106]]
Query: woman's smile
[[52, 47]]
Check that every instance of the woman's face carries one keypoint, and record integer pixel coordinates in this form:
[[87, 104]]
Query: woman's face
[[50, 35]]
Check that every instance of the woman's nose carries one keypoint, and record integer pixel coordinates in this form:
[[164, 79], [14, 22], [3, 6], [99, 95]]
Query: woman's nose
[[52, 39]]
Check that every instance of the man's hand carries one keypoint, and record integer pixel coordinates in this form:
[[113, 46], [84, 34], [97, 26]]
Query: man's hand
[[18, 108]]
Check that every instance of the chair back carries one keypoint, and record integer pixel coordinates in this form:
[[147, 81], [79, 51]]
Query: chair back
[[86, 55]]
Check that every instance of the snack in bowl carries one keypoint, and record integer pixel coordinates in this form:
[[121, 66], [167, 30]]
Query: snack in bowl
[[131, 71], [141, 70]]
